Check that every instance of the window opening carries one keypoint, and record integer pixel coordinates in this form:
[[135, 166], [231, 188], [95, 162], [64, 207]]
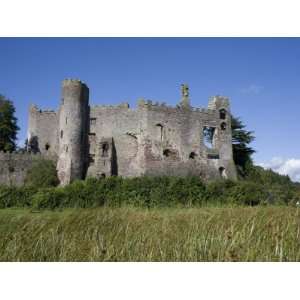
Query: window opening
[[208, 136]]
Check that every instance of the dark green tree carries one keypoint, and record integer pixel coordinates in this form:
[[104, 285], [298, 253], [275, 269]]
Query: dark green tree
[[42, 174], [241, 138], [8, 125]]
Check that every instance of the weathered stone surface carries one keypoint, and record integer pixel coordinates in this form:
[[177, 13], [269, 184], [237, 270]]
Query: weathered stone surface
[[14, 166], [153, 139]]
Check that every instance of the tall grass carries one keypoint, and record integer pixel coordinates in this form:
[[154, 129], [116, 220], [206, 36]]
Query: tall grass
[[160, 234]]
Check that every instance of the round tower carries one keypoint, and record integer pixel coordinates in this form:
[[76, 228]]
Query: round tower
[[73, 131]]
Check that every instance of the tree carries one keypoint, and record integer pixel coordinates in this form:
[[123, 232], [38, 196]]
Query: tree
[[8, 125], [42, 174], [241, 138]]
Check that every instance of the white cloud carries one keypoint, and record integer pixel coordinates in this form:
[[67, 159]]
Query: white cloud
[[282, 166], [252, 89]]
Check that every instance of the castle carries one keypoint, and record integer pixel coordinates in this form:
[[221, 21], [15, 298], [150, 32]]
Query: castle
[[152, 139]]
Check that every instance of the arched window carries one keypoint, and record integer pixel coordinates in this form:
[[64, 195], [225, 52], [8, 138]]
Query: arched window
[[223, 126], [160, 131], [223, 114], [47, 146], [61, 134]]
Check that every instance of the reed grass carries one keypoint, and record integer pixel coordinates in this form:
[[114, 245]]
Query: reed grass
[[165, 234]]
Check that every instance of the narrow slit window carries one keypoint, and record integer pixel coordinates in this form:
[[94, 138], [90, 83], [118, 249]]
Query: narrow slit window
[[105, 149], [160, 131]]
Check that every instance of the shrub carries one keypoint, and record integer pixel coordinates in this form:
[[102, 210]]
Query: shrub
[[149, 192], [50, 198], [42, 175], [218, 192], [16, 196], [248, 193]]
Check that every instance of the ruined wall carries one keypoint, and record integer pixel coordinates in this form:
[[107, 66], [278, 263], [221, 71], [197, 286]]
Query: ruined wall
[[152, 139], [14, 166], [155, 139], [124, 127], [44, 126], [174, 142]]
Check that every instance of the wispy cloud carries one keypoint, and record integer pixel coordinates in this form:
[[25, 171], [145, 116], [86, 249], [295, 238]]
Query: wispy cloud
[[282, 166], [252, 89]]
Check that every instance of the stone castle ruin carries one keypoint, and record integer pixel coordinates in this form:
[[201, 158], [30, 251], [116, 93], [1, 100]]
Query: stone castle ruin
[[152, 139]]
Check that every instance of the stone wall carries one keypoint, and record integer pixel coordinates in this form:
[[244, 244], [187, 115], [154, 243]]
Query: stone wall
[[14, 166], [44, 126], [124, 126], [152, 139], [156, 139]]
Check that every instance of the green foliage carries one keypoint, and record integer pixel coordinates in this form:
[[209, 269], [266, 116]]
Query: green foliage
[[8, 125], [43, 174], [48, 198], [248, 193], [154, 192], [16, 196], [217, 192], [241, 138], [280, 187]]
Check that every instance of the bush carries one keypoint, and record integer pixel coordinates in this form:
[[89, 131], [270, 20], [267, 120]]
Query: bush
[[16, 196], [42, 175], [248, 193], [218, 192], [149, 192], [50, 198]]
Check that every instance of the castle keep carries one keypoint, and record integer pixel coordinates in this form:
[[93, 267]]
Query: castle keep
[[152, 139]]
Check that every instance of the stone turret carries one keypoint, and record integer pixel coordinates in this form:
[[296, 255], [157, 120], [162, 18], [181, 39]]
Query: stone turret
[[223, 135], [185, 101], [73, 131]]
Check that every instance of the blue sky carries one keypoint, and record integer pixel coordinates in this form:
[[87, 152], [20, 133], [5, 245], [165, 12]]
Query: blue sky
[[261, 76]]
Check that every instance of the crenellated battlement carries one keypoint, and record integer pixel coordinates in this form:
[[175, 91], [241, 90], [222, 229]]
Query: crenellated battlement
[[17, 155], [35, 109], [71, 81], [124, 105], [217, 102], [152, 138]]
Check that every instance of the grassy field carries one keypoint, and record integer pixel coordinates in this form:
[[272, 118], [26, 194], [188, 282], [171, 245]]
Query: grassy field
[[131, 234]]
